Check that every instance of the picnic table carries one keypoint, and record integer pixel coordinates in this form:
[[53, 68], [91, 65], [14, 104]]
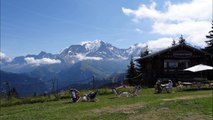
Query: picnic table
[[194, 85], [197, 85], [187, 84], [211, 85]]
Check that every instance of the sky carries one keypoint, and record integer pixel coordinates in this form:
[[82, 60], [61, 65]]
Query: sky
[[31, 26]]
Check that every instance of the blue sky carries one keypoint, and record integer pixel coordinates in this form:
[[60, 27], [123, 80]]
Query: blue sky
[[31, 26]]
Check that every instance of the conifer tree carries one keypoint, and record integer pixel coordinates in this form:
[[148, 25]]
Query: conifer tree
[[146, 51], [143, 54], [173, 42], [209, 42], [13, 92], [131, 73], [182, 40]]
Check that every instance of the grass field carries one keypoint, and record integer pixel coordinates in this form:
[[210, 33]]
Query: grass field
[[185, 105]]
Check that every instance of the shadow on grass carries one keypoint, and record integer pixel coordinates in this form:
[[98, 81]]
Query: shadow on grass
[[113, 97], [196, 89], [68, 102]]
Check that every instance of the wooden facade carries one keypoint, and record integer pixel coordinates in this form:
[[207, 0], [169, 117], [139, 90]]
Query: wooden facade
[[170, 63]]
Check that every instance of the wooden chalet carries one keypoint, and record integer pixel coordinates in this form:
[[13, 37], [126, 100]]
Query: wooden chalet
[[170, 63]]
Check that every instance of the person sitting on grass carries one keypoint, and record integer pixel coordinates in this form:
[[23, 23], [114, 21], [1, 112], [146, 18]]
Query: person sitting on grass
[[169, 86], [136, 90], [75, 95], [179, 86], [90, 97], [158, 88]]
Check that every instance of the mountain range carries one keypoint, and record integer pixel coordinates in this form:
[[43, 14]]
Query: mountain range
[[75, 64], [91, 50]]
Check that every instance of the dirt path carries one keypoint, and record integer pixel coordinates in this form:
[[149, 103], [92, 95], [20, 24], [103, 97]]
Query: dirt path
[[188, 97], [128, 109]]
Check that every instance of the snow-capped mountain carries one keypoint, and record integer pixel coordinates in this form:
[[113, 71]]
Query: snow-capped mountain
[[97, 50]]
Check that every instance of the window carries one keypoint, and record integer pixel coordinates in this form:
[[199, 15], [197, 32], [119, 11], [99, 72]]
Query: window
[[183, 64], [171, 65]]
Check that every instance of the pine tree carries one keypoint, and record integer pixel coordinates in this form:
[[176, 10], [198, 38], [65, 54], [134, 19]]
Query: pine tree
[[182, 40], [8, 90], [173, 42], [13, 92], [209, 42], [143, 54], [131, 73], [146, 51], [139, 66]]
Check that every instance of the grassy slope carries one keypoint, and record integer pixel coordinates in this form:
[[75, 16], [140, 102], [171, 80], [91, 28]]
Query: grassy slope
[[175, 106]]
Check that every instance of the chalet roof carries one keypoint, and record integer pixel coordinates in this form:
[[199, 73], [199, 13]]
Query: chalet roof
[[171, 48]]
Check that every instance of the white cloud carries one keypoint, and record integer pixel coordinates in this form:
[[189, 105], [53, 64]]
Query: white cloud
[[196, 10], [186, 27], [155, 45], [192, 19], [83, 57], [32, 60], [159, 44], [142, 12], [4, 57], [193, 31], [139, 30]]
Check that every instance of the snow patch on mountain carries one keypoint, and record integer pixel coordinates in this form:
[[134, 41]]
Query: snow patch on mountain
[[92, 45], [136, 49]]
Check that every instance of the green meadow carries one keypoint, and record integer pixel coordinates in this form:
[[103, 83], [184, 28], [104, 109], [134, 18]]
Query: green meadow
[[184, 105]]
